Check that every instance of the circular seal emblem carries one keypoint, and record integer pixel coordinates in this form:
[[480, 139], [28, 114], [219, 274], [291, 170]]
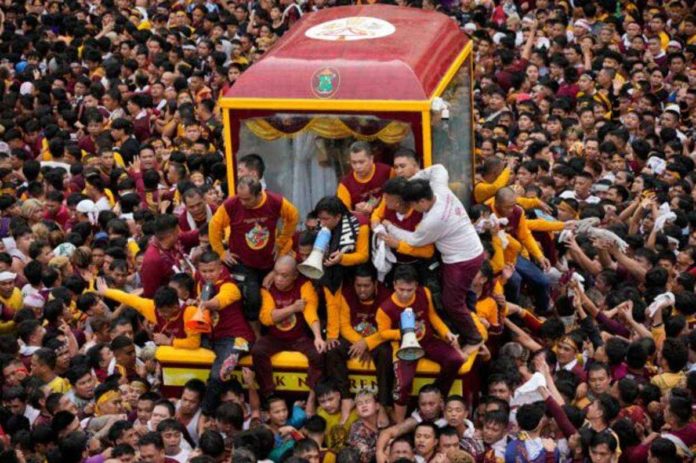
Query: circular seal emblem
[[287, 324], [257, 237], [351, 28], [325, 82]]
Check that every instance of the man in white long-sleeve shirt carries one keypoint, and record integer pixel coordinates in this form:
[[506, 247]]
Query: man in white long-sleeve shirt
[[446, 223]]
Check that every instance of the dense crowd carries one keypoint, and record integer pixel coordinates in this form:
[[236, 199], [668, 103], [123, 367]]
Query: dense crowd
[[568, 282]]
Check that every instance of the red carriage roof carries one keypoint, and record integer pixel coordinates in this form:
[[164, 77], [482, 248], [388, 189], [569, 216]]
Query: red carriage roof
[[370, 52]]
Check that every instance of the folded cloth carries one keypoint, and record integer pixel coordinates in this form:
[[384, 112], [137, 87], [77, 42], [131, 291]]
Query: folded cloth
[[382, 256]]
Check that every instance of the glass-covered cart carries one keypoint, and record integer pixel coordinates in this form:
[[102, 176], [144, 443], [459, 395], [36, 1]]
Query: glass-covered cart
[[396, 77]]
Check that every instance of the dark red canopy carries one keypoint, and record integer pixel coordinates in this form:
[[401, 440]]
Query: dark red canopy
[[381, 53]]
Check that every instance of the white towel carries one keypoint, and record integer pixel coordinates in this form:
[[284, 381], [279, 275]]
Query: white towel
[[659, 300], [528, 392], [663, 218], [382, 256]]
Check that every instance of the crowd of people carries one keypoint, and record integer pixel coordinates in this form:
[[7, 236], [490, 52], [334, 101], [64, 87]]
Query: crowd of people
[[568, 282]]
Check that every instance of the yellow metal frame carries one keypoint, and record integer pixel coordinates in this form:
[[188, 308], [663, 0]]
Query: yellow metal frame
[[305, 104]]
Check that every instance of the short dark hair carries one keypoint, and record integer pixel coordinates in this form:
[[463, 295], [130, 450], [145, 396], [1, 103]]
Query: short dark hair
[[680, 407], [165, 223], [208, 257], [230, 413], [305, 445], [73, 446], [332, 205], [197, 386], [254, 162], [165, 296], [497, 416], [365, 271], [610, 406], [395, 186], [675, 353], [47, 357], [118, 429], [416, 190], [405, 273], [326, 386], [151, 438], [211, 443], [170, 424], [529, 415], [167, 404], [406, 153]]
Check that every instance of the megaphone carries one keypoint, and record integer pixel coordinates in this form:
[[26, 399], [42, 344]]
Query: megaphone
[[313, 266], [410, 349], [200, 322]]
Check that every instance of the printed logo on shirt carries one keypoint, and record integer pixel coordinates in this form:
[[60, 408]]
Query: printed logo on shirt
[[257, 237], [287, 324], [365, 328], [420, 329]]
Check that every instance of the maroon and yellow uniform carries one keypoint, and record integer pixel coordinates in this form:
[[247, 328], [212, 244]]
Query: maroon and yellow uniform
[[174, 327], [293, 326], [229, 321], [428, 325], [287, 334], [428, 322], [357, 318], [254, 233], [352, 190], [358, 324], [356, 254]]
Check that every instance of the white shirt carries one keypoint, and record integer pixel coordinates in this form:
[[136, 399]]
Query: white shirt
[[31, 414], [446, 224], [103, 204], [181, 457], [570, 194]]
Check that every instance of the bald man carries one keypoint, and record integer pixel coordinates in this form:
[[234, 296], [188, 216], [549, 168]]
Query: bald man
[[289, 311], [505, 205]]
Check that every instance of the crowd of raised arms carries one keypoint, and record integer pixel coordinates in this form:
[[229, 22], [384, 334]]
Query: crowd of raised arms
[[558, 300]]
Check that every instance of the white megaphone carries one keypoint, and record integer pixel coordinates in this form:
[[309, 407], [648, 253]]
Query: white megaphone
[[410, 349], [313, 266]]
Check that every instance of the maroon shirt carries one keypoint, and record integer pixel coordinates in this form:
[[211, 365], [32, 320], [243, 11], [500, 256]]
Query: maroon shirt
[[362, 316], [364, 192], [408, 223], [420, 306], [253, 231], [87, 144], [294, 326], [229, 321], [172, 326], [160, 264], [61, 217]]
